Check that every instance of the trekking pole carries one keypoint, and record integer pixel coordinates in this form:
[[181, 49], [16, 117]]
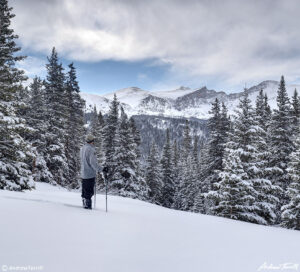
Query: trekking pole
[[95, 192], [105, 181]]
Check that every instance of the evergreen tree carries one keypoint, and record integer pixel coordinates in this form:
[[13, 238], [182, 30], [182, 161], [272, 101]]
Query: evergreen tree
[[291, 212], [110, 140], [281, 143], [245, 180], [200, 202], [188, 176], [74, 127], [218, 126], [266, 190], [295, 114], [57, 118], [35, 118], [168, 189], [177, 165], [187, 141], [136, 136], [126, 181], [15, 153], [232, 197], [153, 175], [97, 129]]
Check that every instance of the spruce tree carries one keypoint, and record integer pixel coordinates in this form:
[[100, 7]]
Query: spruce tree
[[188, 176], [153, 175], [74, 127], [291, 212], [97, 129], [177, 165], [15, 153], [136, 136], [35, 118], [126, 180], [281, 143], [295, 112], [57, 119], [218, 126], [245, 180], [168, 189], [266, 199], [111, 142], [233, 198]]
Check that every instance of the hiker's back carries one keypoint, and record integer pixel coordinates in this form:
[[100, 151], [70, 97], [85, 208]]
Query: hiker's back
[[87, 154]]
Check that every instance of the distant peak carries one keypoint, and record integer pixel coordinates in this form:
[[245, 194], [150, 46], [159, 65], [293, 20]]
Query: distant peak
[[183, 88]]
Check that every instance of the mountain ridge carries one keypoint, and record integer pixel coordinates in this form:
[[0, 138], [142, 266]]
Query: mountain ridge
[[181, 102]]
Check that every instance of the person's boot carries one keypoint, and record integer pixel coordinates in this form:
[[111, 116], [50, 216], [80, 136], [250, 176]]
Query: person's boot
[[88, 204]]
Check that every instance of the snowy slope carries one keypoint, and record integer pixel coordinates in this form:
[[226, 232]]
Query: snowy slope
[[131, 96], [173, 94], [47, 227], [92, 100], [182, 102]]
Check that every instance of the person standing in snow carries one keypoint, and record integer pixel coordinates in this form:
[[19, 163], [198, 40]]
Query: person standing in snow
[[89, 169]]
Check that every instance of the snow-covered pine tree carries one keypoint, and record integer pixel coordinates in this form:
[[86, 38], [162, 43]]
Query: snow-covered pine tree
[[168, 189], [281, 143], [97, 129], [263, 111], [200, 201], [215, 145], [267, 107], [244, 180], [110, 141], [126, 181], [266, 199], [195, 176], [188, 177], [218, 125], [74, 127], [232, 197], [295, 114], [56, 116], [15, 153], [290, 216], [225, 125], [136, 136], [177, 166], [153, 175], [35, 118]]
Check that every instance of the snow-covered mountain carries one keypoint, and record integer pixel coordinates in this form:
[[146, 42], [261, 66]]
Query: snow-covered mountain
[[182, 102]]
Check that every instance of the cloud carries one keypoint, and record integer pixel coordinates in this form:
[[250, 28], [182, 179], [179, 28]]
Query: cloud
[[32, 66], [232, 41]]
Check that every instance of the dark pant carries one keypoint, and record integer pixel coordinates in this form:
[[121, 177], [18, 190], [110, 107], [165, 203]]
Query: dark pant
[[88, 188]]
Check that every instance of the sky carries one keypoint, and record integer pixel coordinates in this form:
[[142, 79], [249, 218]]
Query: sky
[[162, 45]]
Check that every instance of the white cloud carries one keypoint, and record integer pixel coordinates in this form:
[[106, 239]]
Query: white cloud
[[32, 66], [234, 41]]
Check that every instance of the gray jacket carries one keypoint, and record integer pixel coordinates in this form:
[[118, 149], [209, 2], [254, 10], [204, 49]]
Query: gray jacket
[[89, 164]]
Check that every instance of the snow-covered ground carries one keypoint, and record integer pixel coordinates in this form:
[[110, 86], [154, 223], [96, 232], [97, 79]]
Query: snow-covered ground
[[47, 227]]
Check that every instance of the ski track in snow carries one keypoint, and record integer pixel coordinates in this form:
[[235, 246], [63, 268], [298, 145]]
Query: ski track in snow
[[48, 227]]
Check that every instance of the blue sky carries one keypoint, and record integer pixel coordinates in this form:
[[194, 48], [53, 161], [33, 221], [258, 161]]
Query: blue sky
[[106, 76], [162, 45]]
